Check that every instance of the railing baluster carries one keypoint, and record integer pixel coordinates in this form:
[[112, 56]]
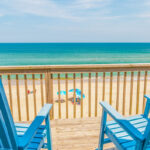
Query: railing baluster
[[81, 95], [145, 89], [74, 94], [131, 93], [118, 87], [10, 93], [89, 94], [96, 93], [103, 98], [18, 97], [41, 83], [34, 93], [124, 93], [110, 98], [59, 104], [66, 78], [138, 90], [26, 96], [46, 86]]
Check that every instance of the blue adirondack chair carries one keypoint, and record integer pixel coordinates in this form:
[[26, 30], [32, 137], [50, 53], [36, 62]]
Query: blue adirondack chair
[[21, 136], [131, 133]]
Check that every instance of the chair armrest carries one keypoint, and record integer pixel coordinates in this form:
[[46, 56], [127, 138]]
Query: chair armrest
[[147, 96], [31, 131], [45, 110], [125, 124]]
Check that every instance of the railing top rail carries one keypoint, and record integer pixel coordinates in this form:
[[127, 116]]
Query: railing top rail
[[74, 68]]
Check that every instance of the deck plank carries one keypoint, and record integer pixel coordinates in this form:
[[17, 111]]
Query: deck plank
[[76, 134]]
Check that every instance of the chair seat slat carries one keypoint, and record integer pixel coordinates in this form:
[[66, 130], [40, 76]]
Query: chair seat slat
[[123, 137], [38, 139]]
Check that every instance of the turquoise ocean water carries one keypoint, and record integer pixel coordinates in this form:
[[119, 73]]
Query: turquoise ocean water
[[73, 53]]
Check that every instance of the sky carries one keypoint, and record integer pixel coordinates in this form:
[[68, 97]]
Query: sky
[[74, 21]]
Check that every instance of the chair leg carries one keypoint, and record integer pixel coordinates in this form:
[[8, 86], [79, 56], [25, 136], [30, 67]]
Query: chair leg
[[140, 146], [49, 140], [102, 130]]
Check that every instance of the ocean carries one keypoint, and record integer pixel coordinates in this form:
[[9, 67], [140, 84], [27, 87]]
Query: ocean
[[73, 53]]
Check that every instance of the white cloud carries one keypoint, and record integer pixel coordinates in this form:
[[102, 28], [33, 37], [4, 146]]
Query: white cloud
[[145, 10], [50, 8], [148, 3], [146, 15], [88, 4], [75, 10], [45, 8]]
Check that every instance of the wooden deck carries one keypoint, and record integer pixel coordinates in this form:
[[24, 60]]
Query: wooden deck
[[76, 134]]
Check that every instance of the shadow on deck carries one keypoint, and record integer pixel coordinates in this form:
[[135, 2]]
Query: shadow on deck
[[76, 134]]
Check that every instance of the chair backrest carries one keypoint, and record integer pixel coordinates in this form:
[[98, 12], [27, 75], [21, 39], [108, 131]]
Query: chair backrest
[[8, 134], [147, 130]]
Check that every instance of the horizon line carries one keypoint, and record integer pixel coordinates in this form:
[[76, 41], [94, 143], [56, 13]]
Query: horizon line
[[65, 42]]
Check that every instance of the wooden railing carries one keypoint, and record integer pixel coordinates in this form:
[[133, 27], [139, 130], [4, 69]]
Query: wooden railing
[[28, 88]]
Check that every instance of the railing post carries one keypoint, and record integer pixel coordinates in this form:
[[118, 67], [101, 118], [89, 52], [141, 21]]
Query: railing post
[[49, 90]]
